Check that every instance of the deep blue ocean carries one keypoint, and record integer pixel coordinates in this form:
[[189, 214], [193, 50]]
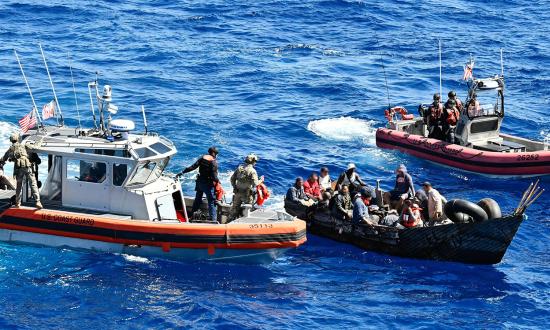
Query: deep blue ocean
[[300, 83]]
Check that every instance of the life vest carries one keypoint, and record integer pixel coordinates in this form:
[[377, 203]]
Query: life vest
[[390, 113], [262, 194], [412, 221], [452, 116], [218, 190], [436, 112]]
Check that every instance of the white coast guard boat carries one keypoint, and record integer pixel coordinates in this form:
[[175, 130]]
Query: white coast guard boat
[[106, 189]]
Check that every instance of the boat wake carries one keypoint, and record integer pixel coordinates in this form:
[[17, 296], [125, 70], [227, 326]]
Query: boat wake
[[344, 129]]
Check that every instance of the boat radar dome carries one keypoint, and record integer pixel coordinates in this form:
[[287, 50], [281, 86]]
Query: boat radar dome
[[123, 126]]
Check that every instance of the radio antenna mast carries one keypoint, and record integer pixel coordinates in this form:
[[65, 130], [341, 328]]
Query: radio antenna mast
[[74, 91], [53, 88], [386, 81], [29, 89], [501, 64], [440, 71]]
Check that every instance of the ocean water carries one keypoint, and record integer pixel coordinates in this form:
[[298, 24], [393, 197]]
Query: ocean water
[[301, 84]]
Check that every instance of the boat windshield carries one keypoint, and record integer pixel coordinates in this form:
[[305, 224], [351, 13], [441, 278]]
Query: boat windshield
[[148, 172], [486, 104]]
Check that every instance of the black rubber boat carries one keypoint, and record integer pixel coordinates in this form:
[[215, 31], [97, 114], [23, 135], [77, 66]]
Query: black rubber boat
[[482, 242]]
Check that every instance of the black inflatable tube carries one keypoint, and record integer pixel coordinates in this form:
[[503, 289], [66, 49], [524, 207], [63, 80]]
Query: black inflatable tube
[[491, 207], [454, 207]]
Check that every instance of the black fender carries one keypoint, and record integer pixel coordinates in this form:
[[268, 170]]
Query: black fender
[[463, 206], [491, 207]]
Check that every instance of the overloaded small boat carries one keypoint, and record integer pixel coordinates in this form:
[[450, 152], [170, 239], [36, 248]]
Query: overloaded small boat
[[477, 234], [479, 145], [106, 189]]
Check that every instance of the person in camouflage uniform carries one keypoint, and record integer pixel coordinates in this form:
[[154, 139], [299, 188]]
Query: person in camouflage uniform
[[17, 153], [244, 181]]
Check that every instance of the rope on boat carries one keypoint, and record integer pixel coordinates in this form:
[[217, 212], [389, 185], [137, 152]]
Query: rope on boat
[[530, 195]]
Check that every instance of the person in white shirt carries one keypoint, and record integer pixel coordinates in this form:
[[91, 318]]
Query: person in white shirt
[[435, 202]]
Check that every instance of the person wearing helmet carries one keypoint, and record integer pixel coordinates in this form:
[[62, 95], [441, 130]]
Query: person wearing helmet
[[206, 180], [361, 203], [244, 181], [434, 118], [451, 115], [23, 169]]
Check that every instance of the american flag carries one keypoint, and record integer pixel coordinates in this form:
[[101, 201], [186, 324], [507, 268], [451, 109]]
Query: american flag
[[48, 110], [468, 71], [27, 122]]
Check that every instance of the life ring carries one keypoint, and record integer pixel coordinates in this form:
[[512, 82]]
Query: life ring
[[454, 209], [390, 113]]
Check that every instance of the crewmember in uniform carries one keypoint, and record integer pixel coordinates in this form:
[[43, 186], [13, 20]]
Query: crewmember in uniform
[[244, 181], [208, 175], [23, 169], [434, 118]]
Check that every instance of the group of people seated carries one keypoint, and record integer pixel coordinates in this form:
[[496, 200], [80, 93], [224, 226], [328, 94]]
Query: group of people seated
[[351, 199]]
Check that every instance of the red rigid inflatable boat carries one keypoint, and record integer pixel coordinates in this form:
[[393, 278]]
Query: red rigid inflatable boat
[[470, 159], [478, 146]]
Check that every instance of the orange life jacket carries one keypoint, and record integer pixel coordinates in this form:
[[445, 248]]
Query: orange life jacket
[[411, 221], [436, 112], [452, 116], [262, 194], [218, 190]]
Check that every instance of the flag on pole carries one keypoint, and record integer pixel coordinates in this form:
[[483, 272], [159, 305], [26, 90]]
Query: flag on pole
[[27, 122], [48, 110], [468, 71]]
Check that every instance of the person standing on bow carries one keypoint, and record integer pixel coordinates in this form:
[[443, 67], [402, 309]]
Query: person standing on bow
[[23, 169], [206, 180], [244, 181]]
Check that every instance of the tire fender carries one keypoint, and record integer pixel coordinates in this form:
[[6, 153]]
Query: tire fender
[[463, 206]]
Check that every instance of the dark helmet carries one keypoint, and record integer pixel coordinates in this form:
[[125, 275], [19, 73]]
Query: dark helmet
[[365, 193], [437, 97], [213, 151], [452, 94]]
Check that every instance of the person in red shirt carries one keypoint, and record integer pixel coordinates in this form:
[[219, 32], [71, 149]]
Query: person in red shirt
[[311, 187]]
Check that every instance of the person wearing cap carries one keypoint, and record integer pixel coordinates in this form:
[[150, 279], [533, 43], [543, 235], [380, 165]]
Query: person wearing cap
[[361, 202], [451, 115], [23, 169], [435, 203], [403, 189], [474, 109], [206, 180], [342, 208], [297, 195], [351, 179], [434, 118], [244, 181]]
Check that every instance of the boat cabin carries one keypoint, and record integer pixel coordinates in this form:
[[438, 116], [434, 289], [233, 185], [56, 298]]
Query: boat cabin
[[120, 175]]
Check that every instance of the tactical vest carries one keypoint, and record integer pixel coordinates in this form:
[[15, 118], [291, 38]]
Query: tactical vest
[[244, 179], [21, 158]]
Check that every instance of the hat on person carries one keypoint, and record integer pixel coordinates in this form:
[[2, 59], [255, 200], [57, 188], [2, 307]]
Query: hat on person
[[351, 165], [426, 184]]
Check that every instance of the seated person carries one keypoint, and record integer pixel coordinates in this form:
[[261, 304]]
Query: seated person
[[410, 216], [297, 195], [311, 187], [6, 183], [403, 189], [351, 179], [325, 182], [422, 201], [361, 202], [342, 206]]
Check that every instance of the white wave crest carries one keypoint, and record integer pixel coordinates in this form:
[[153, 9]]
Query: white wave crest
[[344, 129]]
